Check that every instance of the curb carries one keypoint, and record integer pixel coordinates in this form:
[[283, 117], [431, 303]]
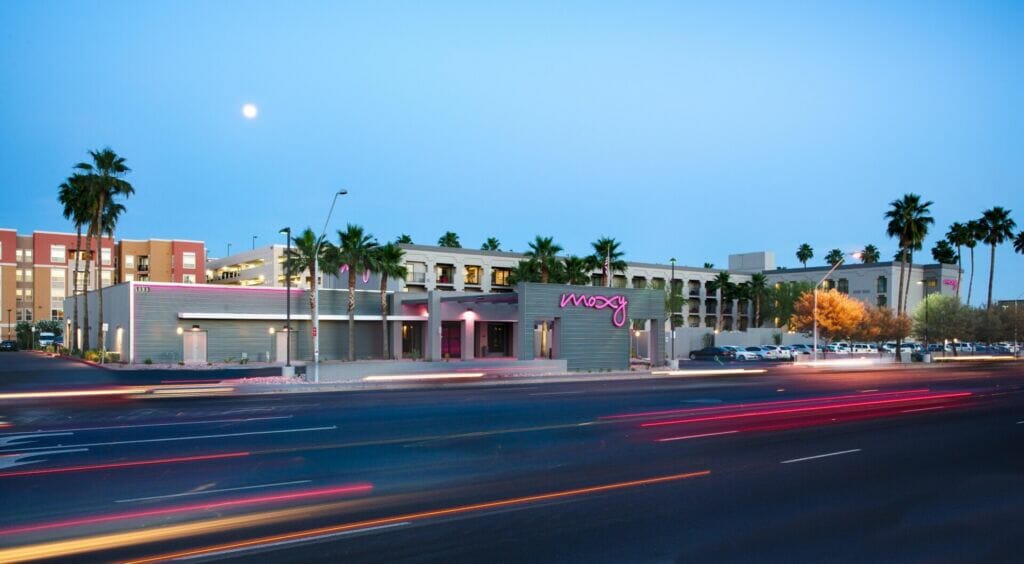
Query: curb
[[82, 361]]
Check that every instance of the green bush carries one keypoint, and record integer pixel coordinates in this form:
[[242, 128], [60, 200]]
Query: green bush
[[148, 361], [92, 355]]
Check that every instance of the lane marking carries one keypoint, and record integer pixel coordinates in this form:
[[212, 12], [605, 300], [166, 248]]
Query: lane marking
[[10, 440], [923, 409], [696, 436], [820, 456], [188, 438], [110, 465], [555, 393], [867, 391], [294, 541], [204, 492], [236, 420], [1020, 422], [12, 460]]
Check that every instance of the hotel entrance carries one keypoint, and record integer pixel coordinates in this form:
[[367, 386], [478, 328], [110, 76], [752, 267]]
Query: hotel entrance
[[495, 339]]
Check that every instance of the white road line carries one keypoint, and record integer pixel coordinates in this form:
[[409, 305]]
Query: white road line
[[554, 393], [293, 541], [866, 391], [12, 439], [696, 436], [203, 492], [820, 456], [1020, 422], [923, 409], [190, 438], [236, 420], [12, 460]]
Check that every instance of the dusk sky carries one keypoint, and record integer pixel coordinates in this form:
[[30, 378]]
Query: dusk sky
[[681, 130]]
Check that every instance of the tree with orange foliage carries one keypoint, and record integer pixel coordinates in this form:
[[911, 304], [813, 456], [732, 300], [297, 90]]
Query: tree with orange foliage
[[839, 315], [879, 325]]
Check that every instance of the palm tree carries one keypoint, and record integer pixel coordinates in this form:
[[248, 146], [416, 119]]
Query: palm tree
[[606, 250], [403, 239], [834, 257], [73, 195], [909, 219], [959, 235], [1018, 243], [975, 235], [721, 283], [302, 257], [943, 252], [576, 270], [758, 287], [996, 229], [386, 261], [804, 254], [709, 265], [355, 249], [870, 254], [491, 244], [105, 184], [525, 271], [450, 240], [545, 251]]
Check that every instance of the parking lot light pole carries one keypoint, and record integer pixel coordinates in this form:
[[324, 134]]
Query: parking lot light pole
[[287, 231], [814, 313], [316, 290], [672, 314]]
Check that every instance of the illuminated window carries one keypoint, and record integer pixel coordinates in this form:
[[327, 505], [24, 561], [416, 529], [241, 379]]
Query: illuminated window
[[472, 276], [415, 273], [500, 276], [444, 273]]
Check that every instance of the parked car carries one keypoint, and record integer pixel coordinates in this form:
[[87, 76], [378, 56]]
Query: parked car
[[8, 346], [743, 354], [712, 353], [864, 348], [757, 351], [935, 347], [781, 353], [801, 348]]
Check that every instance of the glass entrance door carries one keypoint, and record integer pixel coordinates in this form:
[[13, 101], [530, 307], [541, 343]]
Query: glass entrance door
[[451, 339]]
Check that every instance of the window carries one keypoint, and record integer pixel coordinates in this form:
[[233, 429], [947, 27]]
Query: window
[[882, 301], [499, 276], [105, 256], [28, 255], [883, 284], [129, 277], [415, 273], [24, 275], [58, 253], [677, 287], [80, 275], [57, 314], [142, 278], [639, 282], [26, 293], [188, 260], [188, 278], [445, 273], [143, 264], [657, 283], [27, 316], [473, 275], [596, 280], [844, 286], [694, 287], [619, 282], [129, 261], [106, 278]]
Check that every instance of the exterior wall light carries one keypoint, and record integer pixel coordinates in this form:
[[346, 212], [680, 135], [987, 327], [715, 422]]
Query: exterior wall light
[[179, 330], [195, 327], [270, 330]]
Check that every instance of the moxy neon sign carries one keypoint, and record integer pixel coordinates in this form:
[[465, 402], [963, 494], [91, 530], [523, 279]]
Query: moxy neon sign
[[615, 303]]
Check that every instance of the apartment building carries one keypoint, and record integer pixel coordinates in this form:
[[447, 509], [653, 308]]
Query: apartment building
[[38, 271]]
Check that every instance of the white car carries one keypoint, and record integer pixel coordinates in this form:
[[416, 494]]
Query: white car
[[781, 353], [743, 354], [760, 353], [836, 349]]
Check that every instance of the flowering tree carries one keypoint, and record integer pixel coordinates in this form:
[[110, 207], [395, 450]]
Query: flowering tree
[[838, 314]]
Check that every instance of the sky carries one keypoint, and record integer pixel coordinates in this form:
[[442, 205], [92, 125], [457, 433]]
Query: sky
[[683, 130]]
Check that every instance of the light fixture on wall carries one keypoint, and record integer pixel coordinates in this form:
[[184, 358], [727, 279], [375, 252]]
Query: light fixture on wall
[[179, 330], [270, 330], [195, 327]]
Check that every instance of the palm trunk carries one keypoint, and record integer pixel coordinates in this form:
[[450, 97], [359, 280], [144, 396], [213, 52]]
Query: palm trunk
[[959, 272], [757, 311], [970, 283], [906, 290], [73, 340], [385, 349], [85, 331], [99, 276], [899, 289], [351, 312], [991, 274]]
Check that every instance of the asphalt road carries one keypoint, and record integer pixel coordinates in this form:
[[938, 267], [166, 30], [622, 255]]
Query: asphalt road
[[788, 466]]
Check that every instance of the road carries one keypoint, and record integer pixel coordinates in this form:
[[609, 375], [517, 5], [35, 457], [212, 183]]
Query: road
[[787, 466]]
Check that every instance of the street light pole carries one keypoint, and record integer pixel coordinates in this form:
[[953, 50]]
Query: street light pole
[[288, 298], [316, 290], [815, 312], [9, 330], [672, 314], [254, 242]]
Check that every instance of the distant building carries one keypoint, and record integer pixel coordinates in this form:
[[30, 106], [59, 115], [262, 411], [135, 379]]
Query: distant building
[[38, 271]]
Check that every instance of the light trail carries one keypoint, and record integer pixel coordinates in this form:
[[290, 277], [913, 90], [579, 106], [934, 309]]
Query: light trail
[[414, 377], [759, 404], [409, 517], [130, 464], [357, 488], [711, 372], [74, 393], [804, 409], [141, 425]]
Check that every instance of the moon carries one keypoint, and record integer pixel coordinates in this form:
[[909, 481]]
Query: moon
[[250, 111]]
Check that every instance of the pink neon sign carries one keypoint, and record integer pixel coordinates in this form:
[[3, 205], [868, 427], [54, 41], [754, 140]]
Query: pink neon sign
[[366, 273], [616, 303], [950, 282]]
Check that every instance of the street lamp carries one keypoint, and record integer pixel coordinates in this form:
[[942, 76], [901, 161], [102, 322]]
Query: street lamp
[[287, 231], [672, 314], [815, 312], [927, 341], [229, 249], [9, 324], [316, 290], [254, 242]]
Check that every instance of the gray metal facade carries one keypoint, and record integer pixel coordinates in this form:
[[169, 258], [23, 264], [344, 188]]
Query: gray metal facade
[[584, 336]]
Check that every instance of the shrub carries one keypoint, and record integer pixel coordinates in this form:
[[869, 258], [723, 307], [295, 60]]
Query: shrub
[[92, 356], [148, 361]]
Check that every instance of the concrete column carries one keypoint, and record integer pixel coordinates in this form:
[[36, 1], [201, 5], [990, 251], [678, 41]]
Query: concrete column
[[396, 339], [468, 338], [656, 342], [555, 334], [460, 276], [433, 350]]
